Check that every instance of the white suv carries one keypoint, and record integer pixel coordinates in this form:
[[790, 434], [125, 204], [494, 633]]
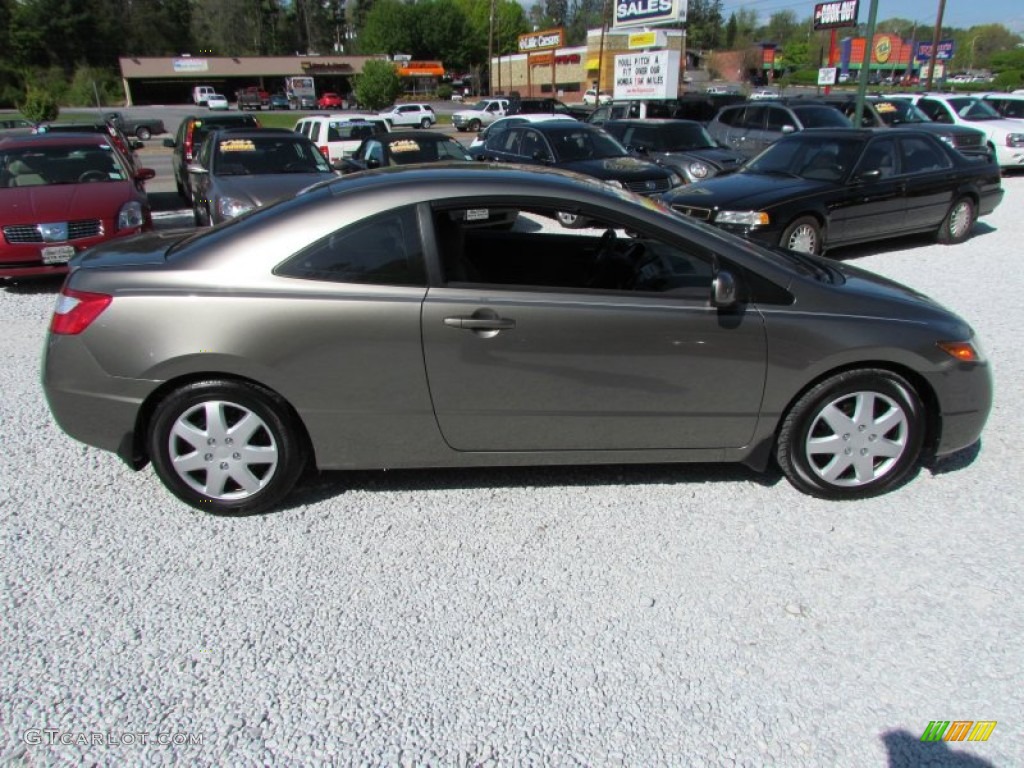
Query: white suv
[[409, 115], [484, 112], [339, 136], [592, 98], [1005, 136]]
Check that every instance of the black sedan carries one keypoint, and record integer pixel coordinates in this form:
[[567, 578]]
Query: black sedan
[[831, 187], [582, 148], [405, 148], [682, 145]]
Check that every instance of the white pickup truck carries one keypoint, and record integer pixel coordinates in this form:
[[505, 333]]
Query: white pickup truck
[[484, 112]]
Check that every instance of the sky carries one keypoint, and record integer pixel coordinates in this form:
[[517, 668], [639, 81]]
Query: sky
[[958, 13]]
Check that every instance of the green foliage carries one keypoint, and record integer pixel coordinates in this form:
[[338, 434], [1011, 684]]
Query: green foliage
[[90, 82], [39, 105], [378, 85], [444, 92], [1009, 80]]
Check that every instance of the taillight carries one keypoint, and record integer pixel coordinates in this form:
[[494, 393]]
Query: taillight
[[188, 144], [75, 311], [326, 152]]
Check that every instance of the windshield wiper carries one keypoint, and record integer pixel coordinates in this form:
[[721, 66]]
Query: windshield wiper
[[779, 172]]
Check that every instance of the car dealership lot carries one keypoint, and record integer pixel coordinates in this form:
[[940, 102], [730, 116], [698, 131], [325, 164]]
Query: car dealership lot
[[655, 615]]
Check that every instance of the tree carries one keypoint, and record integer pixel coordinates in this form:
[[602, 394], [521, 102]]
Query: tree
[[390, 28], [39, 106], [731, 30], [378, 85]]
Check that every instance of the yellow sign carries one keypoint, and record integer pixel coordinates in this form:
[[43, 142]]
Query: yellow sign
[[643, 39], [883, 49]]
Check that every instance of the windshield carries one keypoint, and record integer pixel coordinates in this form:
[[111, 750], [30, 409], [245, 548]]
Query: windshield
[[264, 155], [973, 109], [672, 137], [75, 164], [409, 151], [480, 106], [899, 112], [570, 144], [819, 158], [821, 117], [346, 131]]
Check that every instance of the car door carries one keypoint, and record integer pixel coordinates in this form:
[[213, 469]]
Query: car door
[[504, 147], [926, 173], [514, 365], [750, 131], [874, 207]]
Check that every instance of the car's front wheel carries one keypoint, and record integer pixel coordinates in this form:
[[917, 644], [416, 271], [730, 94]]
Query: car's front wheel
[[143, 133], [802, 235], [959, 221], [855, 434], [570, 220], [226, 447], [474, 125]]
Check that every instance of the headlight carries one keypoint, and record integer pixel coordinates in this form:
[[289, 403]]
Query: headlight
[[948, 138], [614, 183], [229, 207], [1015, 139], [743, 218], [130, 216], [699, 170]]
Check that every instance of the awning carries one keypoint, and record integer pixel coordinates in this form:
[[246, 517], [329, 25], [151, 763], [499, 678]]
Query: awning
[[593, 63]]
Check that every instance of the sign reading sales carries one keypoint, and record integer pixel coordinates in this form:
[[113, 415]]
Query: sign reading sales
[[632, 13], [652, 75], [842, 13]]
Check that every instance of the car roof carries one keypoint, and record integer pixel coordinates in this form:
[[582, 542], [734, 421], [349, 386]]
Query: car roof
[[651, 121], [411, 135], [248, 130], [59, 139], [552, 126]]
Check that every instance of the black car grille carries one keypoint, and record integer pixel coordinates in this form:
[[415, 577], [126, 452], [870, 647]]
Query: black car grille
[[967, 140], [77, 230], [704, 214], [652, 187]]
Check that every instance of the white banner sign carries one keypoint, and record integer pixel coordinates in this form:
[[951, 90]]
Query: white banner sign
[[653, 75], [827, 76]]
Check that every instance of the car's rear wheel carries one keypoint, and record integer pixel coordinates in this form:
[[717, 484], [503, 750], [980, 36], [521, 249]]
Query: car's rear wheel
[[226, 447], [474, 125], [957, 225], [425, 122], [569, 220], [856, 434], [802, 235], [143, 133]]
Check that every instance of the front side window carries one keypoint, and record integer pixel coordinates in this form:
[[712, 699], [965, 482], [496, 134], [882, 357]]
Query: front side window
[[921, 156], [936, 110], [381, 250], [514, 248]]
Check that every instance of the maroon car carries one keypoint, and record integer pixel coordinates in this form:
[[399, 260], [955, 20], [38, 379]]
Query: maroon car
[[330, 101], [61, 194]]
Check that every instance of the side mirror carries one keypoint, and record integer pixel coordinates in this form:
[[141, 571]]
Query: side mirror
[[372, 162], [723, 289], [788, 129], [197, 169], [144, 174], [640, 149], [169, 143], [874, 175], [541, 157]]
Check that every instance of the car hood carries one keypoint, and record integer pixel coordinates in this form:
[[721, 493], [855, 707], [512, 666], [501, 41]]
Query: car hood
[[65, 202], [268, 188], [617, 168], [716, 156], [744, 191]]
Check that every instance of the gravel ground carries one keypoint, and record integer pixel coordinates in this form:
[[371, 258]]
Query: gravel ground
[[637, 616]]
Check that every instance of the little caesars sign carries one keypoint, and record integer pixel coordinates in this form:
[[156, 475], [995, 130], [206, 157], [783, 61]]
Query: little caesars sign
[[634, 13]]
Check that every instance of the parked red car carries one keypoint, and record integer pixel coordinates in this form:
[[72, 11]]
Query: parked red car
[[61, 194], [331, 101]]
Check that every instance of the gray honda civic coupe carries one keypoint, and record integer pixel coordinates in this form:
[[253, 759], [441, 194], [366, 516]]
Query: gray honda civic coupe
[[392, 319]]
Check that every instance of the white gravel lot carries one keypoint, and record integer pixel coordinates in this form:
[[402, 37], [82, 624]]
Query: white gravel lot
[[636, 616]]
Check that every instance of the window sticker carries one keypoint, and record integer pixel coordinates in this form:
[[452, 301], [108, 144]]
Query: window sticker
[[477, 214], [237, 145], [885, 106], [406, 145]]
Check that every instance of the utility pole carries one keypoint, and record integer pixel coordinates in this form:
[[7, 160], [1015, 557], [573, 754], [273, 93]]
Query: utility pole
[[490, 52], [935, 45], [865, 64]]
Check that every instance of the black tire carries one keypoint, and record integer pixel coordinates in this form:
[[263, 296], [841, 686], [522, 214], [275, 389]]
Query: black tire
[[460, 130], [830, 445], [474, 125], [143, 133], [570, 220], [425, 122], [803, 235], [958, 223], [276, 448]]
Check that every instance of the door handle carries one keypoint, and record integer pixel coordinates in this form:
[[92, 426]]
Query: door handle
[[480, 323]]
